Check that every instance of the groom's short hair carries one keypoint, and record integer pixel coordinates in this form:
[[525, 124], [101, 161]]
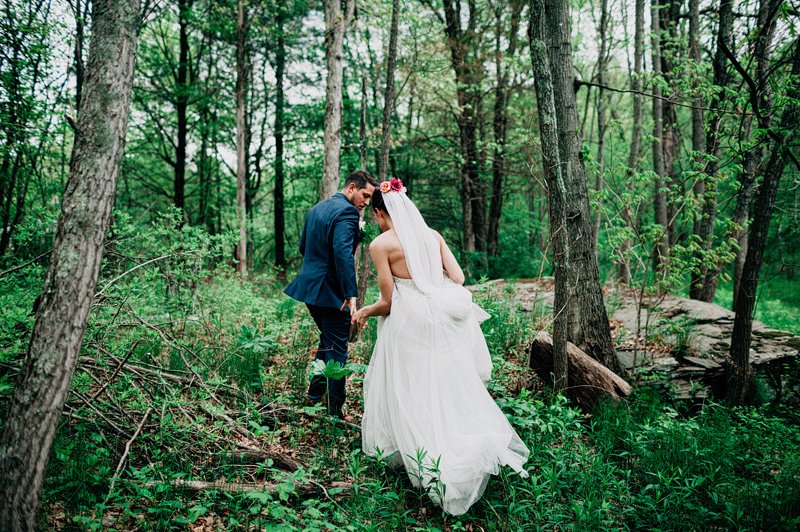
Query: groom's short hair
[[361, 178]]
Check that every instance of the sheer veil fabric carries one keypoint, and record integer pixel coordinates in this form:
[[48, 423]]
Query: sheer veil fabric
[[425, 403]]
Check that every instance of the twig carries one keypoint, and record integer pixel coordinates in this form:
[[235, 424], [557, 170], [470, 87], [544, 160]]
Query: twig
[[25, 265], [125, 455], [116, 370]]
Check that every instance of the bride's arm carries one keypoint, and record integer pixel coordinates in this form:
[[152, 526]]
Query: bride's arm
[[380, 256], [449, 262]]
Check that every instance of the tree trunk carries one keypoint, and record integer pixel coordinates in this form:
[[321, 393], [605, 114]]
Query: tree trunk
[[280, 67], [337, 18], [500, 122], [463, 44], [660, 197], [591, 381], [68, 292], [671, 140], [589, 326], [740, 373], [698, 133], [362, 124], [706, 284], [388, 95], [241, 149], [753, 158], [623, 267], [81, 11], [556, 188], [602, 59], [182, 102]]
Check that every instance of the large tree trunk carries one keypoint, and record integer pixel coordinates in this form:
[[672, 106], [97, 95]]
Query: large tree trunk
[[623, 266], [280, 67], [589, 326], [704, 287], [338, 16], [740, 374], [659, 193], [556, 190], [69, 287], [241, 147]]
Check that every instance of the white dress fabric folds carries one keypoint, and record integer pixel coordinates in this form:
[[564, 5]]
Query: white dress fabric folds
[[425, 402]]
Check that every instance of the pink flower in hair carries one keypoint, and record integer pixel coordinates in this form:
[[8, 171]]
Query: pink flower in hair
[[396, 185], [385, 187]]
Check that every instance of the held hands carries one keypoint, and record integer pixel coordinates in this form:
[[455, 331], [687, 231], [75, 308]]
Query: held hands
[[359, 319]]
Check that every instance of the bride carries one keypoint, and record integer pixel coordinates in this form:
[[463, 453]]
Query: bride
[[425, 404]]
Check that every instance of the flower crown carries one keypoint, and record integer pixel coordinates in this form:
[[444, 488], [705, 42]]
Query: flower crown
[[393, 185]]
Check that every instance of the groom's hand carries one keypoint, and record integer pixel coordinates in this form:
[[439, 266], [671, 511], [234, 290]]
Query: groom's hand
[[349, 303]]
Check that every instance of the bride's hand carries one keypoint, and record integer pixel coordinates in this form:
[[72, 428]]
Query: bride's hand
[[360, 318]]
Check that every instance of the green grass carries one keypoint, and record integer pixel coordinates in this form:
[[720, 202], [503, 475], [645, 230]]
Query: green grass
[[778, 304]]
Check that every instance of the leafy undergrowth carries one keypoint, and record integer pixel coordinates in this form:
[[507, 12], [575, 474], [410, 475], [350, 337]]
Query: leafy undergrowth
[[186, 412]]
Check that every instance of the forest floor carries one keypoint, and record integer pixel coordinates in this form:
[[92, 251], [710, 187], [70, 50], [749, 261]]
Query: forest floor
[[186, 412]]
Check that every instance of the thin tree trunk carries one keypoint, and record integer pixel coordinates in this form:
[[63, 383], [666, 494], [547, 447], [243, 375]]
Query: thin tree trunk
[[698, 133], [623, 267], [68, 292], [660, 198], [280, 67], [500, 122], [337, 19], [706, 286], [740, 373], [602, 59], [388, 95], [557, 190], [182, 103], [362, 124], [753, 157], [81, 11], [241, 151], [589, 325], [468, 69]]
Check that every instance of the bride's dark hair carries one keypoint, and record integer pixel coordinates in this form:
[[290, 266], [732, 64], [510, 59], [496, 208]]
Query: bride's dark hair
[[377, 201]]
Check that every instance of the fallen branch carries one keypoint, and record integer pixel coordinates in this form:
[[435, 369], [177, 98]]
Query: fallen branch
[[301, 489], [280, 460], [125, 455]]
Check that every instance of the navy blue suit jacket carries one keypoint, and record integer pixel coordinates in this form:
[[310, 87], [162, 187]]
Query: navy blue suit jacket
[[328, 244]]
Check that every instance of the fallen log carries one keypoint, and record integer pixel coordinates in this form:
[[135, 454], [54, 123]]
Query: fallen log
[[588, 379], [301, 489]]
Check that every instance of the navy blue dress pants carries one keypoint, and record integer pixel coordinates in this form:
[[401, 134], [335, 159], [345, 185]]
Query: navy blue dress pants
[[334, 327]]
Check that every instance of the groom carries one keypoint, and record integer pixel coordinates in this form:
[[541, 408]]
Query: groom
[[327, 279]]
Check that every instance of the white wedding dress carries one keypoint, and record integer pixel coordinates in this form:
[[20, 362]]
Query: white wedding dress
[[425, 404]]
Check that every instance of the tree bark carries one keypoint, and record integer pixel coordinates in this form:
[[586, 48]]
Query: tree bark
[[68, 291], [698, 131], [740, 373], [338, 16], [280, 67], [554, 169], [81, 12], [589, 326], [241, 149]]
